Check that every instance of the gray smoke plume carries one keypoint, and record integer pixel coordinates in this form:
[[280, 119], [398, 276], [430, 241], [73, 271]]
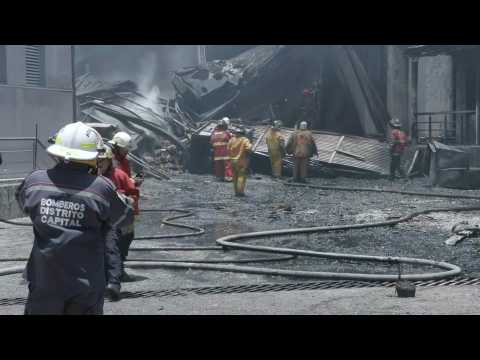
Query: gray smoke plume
[[150, 66]]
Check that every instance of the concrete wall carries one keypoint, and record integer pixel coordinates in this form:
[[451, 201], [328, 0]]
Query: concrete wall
[[58, 67], [22, 106], [435, 84]]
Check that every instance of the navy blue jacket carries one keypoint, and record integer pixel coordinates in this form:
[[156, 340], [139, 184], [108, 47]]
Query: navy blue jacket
[[72, 213]]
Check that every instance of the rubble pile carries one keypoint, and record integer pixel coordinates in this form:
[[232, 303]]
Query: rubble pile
[[157, 125], [261, 84]]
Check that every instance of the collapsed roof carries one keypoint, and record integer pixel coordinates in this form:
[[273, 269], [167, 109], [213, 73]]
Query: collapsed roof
[[349, 154], [149, 118], [267, 82]]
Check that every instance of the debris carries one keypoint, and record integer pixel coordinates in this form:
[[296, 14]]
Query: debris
[[450, 167], [156, 123], [342, 153], [461, 231]]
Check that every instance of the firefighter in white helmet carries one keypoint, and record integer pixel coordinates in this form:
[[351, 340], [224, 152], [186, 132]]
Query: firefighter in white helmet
[[129, 193], [72, 211], [121, 145]]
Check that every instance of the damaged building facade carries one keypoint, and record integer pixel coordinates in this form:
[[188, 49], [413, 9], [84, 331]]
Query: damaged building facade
[[348, 94], [445, 111]]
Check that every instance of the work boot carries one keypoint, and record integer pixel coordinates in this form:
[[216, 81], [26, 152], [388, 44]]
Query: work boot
[[126, 278], [240, 195], [112, 292]]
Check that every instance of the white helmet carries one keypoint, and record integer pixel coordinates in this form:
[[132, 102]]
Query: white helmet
[[121, 139], [303, 125], [225, 121], [76, 141], [277, 124]]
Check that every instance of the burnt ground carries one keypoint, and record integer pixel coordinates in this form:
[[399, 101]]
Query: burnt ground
[[272, 205]]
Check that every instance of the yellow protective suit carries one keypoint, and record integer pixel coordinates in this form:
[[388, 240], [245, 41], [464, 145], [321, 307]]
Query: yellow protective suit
[[276, 148], [238, 149]]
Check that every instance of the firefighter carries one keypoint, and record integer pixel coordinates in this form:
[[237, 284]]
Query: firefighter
[[72, 212], [397, 149], [276, 148], [302, 146], [239, 148], [129, 194], [219, 141], [121, 144]]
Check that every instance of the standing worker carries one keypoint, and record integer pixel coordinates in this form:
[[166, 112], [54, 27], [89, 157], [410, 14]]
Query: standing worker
[[239, 148], [129, 193], [71, 210], [276, 148], [121, 144], [397, 149], [302, 146], [219, 141]]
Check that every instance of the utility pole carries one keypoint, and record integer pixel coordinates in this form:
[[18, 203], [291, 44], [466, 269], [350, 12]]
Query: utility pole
[[74, 90]]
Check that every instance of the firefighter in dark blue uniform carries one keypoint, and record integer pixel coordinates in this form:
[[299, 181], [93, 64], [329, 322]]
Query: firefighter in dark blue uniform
[[73, 211]]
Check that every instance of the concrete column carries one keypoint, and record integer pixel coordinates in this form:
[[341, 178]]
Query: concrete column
[[412, 93], [435, 90], [397, 84], [435, 84]]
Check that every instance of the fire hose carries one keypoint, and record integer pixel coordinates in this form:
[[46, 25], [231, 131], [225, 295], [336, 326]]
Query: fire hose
[[233, 242]]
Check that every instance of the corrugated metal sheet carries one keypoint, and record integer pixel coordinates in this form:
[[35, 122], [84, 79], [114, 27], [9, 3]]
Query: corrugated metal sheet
[[351, 152]]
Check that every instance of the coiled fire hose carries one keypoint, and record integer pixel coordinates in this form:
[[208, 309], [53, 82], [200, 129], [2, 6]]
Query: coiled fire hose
[[233, 242]]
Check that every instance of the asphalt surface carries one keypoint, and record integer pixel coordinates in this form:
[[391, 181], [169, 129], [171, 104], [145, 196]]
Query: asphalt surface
[[272, 205]]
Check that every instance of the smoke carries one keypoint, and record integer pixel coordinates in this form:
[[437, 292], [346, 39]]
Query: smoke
[[147, 72], [150, 67]]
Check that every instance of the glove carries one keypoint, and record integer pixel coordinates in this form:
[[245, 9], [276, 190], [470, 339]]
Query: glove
[[112, 292]]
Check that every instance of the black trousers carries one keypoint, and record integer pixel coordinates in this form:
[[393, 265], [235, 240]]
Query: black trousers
[[89, 303], [396, 165], [124, 243]]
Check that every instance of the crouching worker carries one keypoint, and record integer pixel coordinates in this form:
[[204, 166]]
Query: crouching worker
[[71, 210], [276, 148], [239, 148], [129, 193]]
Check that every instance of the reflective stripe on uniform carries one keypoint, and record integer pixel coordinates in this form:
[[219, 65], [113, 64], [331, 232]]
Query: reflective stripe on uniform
[[220, 144], [63, 190], [218, 158]]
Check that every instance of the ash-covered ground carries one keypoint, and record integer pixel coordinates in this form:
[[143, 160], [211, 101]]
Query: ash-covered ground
[[271, 205]]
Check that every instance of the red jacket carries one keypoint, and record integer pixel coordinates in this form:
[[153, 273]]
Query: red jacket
[[219, 141], [124, 164], [125, 185], [399, 139]]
